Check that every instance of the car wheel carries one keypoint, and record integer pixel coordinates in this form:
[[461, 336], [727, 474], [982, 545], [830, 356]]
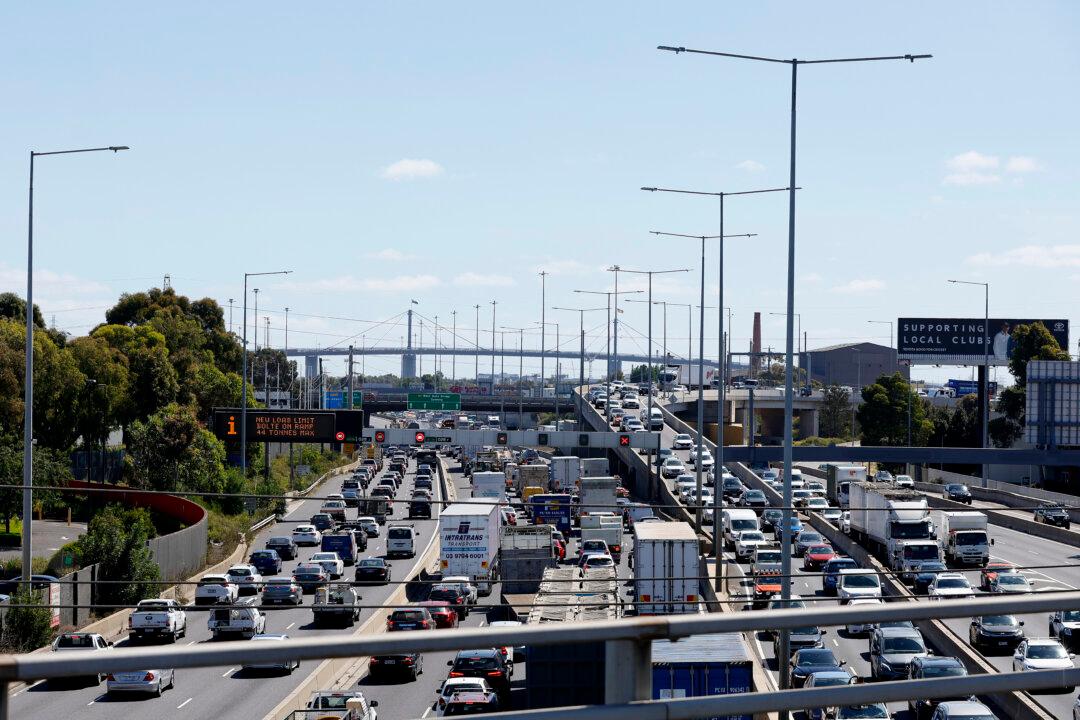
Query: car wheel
[[157, 690]]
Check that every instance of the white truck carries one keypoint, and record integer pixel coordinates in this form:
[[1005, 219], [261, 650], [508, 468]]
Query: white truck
[[666, 568], [565, 473], [963, 537], [690, 376], [338, 602], [243, 619], [469, 542], [594, 467], [912, 553], [533, 475], [737, 520], [838, 479], [157, 618], [886, 518], [608, 528], [597, 495], [489, 485]]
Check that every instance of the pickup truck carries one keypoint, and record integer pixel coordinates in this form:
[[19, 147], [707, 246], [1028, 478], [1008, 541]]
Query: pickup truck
[[337, 602], [244, 620], [81, 642], [157, 618]]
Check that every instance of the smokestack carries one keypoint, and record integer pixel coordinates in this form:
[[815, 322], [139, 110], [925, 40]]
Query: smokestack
[[755, 361]]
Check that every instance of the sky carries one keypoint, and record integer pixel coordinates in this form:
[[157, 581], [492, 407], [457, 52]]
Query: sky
[[449, 153]]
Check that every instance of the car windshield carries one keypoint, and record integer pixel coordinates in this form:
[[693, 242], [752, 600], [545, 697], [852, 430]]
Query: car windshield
[[1047, 652], [601, 561], [451, 688], [860, 581], [816, 657], [952, 583], [240, 572], [974, 537], [748, 536], [1070, 616], [933, 671], [1011, 580], [371, 563], [820, 550], [931, 567], [399, 534], [920, 552], [835, 567], [831, 680], [852, 712], [474, 663], [999, 620], [738, 525], [809, 538], [902, 645], [75, 641], [285, 582], [808, 630], [774, 515], [755, 495], [279, 541], [408, 615]]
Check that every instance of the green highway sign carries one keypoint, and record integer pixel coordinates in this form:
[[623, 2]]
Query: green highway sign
[[434, 401], [358, 398]]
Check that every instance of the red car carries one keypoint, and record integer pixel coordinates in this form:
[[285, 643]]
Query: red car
[[992, 570], [560, 549], [816, 556], [444, 615]]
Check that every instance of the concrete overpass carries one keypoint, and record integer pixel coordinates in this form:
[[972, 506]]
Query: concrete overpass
[[768, 406]]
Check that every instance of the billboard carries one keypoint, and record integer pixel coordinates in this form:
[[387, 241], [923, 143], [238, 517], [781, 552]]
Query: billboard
[[959, 341]]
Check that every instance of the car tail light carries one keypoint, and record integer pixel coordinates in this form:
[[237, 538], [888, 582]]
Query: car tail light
[[616, 548], [390, 624], [454, 673], [408, 661], [424, 624], [374, 661], [110, 678], [495, 673], [148, 677]]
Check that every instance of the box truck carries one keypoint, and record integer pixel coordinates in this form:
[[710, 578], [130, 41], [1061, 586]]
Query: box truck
[[552, 509], [838, 479], [885, 517], [666, 568], [963, 537], [594, 467], [469, 542], [565, 473], [689, 375], [598, 495], [702, 665], [525, 552], [608, 528], [532, 475], [489, 485]]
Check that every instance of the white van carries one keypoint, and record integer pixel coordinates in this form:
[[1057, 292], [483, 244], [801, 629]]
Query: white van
[[736, 520], [401, 541], [656, 420]]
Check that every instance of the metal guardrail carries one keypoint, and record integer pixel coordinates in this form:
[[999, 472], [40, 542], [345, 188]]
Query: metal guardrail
[[629, 655]]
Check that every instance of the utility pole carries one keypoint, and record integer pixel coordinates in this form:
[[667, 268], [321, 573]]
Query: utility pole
[[477, 356], [493, 304], [230, 314], [543, 305], [453, 352], [349, 385]]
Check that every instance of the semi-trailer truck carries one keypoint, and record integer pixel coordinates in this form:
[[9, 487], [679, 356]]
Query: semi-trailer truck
[[886, 518], [469, 542], [666, 568]]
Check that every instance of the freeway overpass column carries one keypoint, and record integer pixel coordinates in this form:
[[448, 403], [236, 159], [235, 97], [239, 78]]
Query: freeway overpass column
[[808, 423], [627, 671]]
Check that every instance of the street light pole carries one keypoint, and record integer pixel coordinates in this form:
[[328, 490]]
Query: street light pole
[[453, 351], [986, 372], [555, 384], [477, 345], [897, 369], [243, 373], [581, 360], [493, 304], [28, 370], [608, 374], [785, 656], [543, 305]]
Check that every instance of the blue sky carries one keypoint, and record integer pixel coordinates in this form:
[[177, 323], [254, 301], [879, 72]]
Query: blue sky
[[449, 152]]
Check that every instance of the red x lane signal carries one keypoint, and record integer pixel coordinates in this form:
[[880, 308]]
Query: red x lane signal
[[624, 441]]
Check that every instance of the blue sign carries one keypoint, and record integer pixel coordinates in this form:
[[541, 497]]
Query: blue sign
[[334, 400], [968, 387], [552, 510]]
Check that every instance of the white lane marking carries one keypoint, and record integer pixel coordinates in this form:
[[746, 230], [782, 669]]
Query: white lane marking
[[91, 702], [426, 713], [184, 703], [834, 642], [289, 626], [226, 673]]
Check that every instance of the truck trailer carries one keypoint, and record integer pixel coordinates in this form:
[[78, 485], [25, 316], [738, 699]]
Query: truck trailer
[[469, 542], [666, 567], [886, 517]]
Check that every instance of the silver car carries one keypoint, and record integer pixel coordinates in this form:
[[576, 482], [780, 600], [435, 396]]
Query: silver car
[[285, 665], [282, 590], [141, 681]]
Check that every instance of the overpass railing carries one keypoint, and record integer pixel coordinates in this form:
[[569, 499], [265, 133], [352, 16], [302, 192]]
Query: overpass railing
[[628, 679]]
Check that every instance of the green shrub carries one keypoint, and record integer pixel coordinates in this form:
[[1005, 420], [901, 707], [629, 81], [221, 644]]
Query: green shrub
[[30, 626]]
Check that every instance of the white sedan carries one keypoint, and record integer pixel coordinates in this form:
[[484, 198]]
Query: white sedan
[[286, 666], [949, 586], [246, 577], [864, 627], [306, 535], [672, 467], [682, 441], [1042, 654], [748, 541], [330, 562]]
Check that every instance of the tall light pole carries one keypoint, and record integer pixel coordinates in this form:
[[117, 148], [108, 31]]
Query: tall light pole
[[543, 303], [493, 304], [453, 350], [615, 328], [607, 375], [555, 385], [477, 306], [985, 419], [521, 373], [28, 370], [243, 373], [649, 343], [581, 361], [663, 346]]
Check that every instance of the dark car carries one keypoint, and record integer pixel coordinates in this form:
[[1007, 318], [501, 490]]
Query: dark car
[[310, 576], [383, 491], [422, 483], [283, 546], [927, 668], [419, 508], [830, 573], [408, 664], [812, 660], [770, 519], [1052, 514], [1065, 626], [442, 612], [454, 595], [37, 582], [410, 619], [733, 489], [267, 562], [995, 632], [957, 492], [373, 571], [925, 574], [471, 703], [487, 663], [322, 521], [358, 532], [754, 499], [800, 637]]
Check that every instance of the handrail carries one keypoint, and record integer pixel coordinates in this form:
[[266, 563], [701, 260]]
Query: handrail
[[24, 667]]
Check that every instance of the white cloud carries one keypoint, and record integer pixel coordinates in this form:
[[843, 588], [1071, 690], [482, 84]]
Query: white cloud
[[1034, 256], [1022, 164], [562, 267], [411, 169], [471, 279], [349, 283], [812, 277], [856, 287], [390, 255], [972, 161], [751, 166]]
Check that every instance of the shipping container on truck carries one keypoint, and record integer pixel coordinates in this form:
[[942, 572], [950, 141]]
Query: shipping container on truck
[[534, 475], [525, 552], [552, 509], [666, 568], [598, 495], [489, 485], [701, 665], [838, 477], [469, 542], [565, 473]]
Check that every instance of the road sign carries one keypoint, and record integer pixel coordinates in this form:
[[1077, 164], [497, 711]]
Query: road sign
[[334, 400], [500, 439], [522, 438], [434, 401], [339, 436], [624, 441], [275, 425], [380, 436], [419, 438], [358, 398]]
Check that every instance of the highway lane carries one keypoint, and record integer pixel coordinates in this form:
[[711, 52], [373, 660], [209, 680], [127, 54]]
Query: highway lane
[[224, 692]]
